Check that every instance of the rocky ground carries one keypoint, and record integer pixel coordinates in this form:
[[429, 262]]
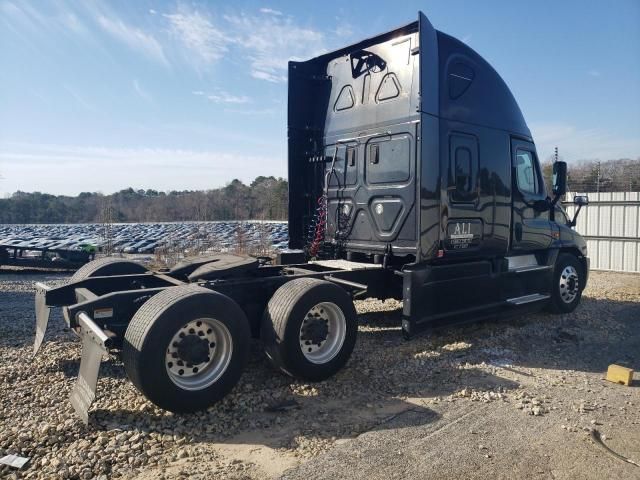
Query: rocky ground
[[527, 388]]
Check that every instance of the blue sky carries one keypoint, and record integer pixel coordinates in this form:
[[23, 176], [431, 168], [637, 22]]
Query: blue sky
[[99, 96]]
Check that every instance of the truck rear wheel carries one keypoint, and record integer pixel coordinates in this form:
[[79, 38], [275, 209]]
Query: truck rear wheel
[[186, 348], [107, 266], [309, 328], [568, 282]]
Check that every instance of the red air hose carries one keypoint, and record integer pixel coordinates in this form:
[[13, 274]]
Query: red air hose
[[320, 226], [321, 223]]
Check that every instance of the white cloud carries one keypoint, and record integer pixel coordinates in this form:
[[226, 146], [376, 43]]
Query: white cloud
[[72, 23], [221, 96], [72, 169], [582, 144], [269, 77], [251, 112], [271, 11], [199, 35], [142, 93], [267, 42], [270, 42], [136, 39], [594, 73], [79, 98], [343, 29], [24, 15]]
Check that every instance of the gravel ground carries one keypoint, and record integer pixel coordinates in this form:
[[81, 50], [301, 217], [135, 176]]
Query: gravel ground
[[534, 368]]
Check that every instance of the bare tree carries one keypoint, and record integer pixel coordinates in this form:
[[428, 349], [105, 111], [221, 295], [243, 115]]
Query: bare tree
[[264, 245], [106, 230]]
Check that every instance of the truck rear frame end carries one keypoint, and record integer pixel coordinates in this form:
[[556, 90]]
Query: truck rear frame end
[[108, 311]]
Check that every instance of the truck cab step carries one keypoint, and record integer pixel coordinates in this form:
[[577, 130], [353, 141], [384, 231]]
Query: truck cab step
[[532, 268], [534, 297]]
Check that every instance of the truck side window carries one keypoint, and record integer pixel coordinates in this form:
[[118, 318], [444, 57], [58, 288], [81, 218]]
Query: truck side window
[[463, 168], [526, 172]]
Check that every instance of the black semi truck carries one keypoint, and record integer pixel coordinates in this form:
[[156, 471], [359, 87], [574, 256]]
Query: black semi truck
[[412, 176]]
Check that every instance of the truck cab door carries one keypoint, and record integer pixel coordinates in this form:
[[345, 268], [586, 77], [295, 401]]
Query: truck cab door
[[531, 228]]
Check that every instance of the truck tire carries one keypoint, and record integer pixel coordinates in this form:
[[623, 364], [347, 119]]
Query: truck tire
[[309, 328], [107, 266], [186, 348], [568, 283]]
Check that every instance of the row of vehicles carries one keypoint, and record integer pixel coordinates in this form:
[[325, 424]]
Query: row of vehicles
[[136, 237]]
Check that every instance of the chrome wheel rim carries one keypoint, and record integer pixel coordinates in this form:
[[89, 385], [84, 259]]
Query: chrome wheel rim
[[569, 285], [323, 332], [198, 354]]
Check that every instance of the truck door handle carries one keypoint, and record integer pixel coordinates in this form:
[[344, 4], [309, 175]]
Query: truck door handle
[[374, 157], [351, 157]]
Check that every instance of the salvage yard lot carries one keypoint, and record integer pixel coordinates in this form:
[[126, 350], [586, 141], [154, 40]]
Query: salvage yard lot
[[513, 398]]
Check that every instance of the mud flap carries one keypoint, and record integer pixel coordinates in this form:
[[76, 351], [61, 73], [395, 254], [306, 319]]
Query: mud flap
[[42, 315], [94, 346]]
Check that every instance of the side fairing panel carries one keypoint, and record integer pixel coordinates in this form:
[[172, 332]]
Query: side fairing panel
[[429, 72], [430, 189], [305, 132], [429, 165]]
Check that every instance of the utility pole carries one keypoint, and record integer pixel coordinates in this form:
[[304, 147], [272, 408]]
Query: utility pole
[[598, 177]]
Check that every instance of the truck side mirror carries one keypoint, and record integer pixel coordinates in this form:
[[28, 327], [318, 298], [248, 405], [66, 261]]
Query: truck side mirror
[[559, 178], [580, 200]]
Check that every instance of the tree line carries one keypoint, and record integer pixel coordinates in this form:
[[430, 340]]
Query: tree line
[[590, 176], [265, 198]]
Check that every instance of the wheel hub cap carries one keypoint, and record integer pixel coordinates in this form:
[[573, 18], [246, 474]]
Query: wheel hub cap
[[569, 284], [193, 349], [315, 331], [323, 332], [198, 354]]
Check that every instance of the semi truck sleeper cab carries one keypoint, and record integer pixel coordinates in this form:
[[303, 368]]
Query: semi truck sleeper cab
[[412, 175]]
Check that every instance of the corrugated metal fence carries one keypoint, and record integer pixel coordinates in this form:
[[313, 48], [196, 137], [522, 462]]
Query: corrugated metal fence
[[611, 226]]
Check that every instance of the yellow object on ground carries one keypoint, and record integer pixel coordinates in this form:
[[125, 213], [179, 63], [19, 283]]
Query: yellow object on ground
[[618, 374]]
